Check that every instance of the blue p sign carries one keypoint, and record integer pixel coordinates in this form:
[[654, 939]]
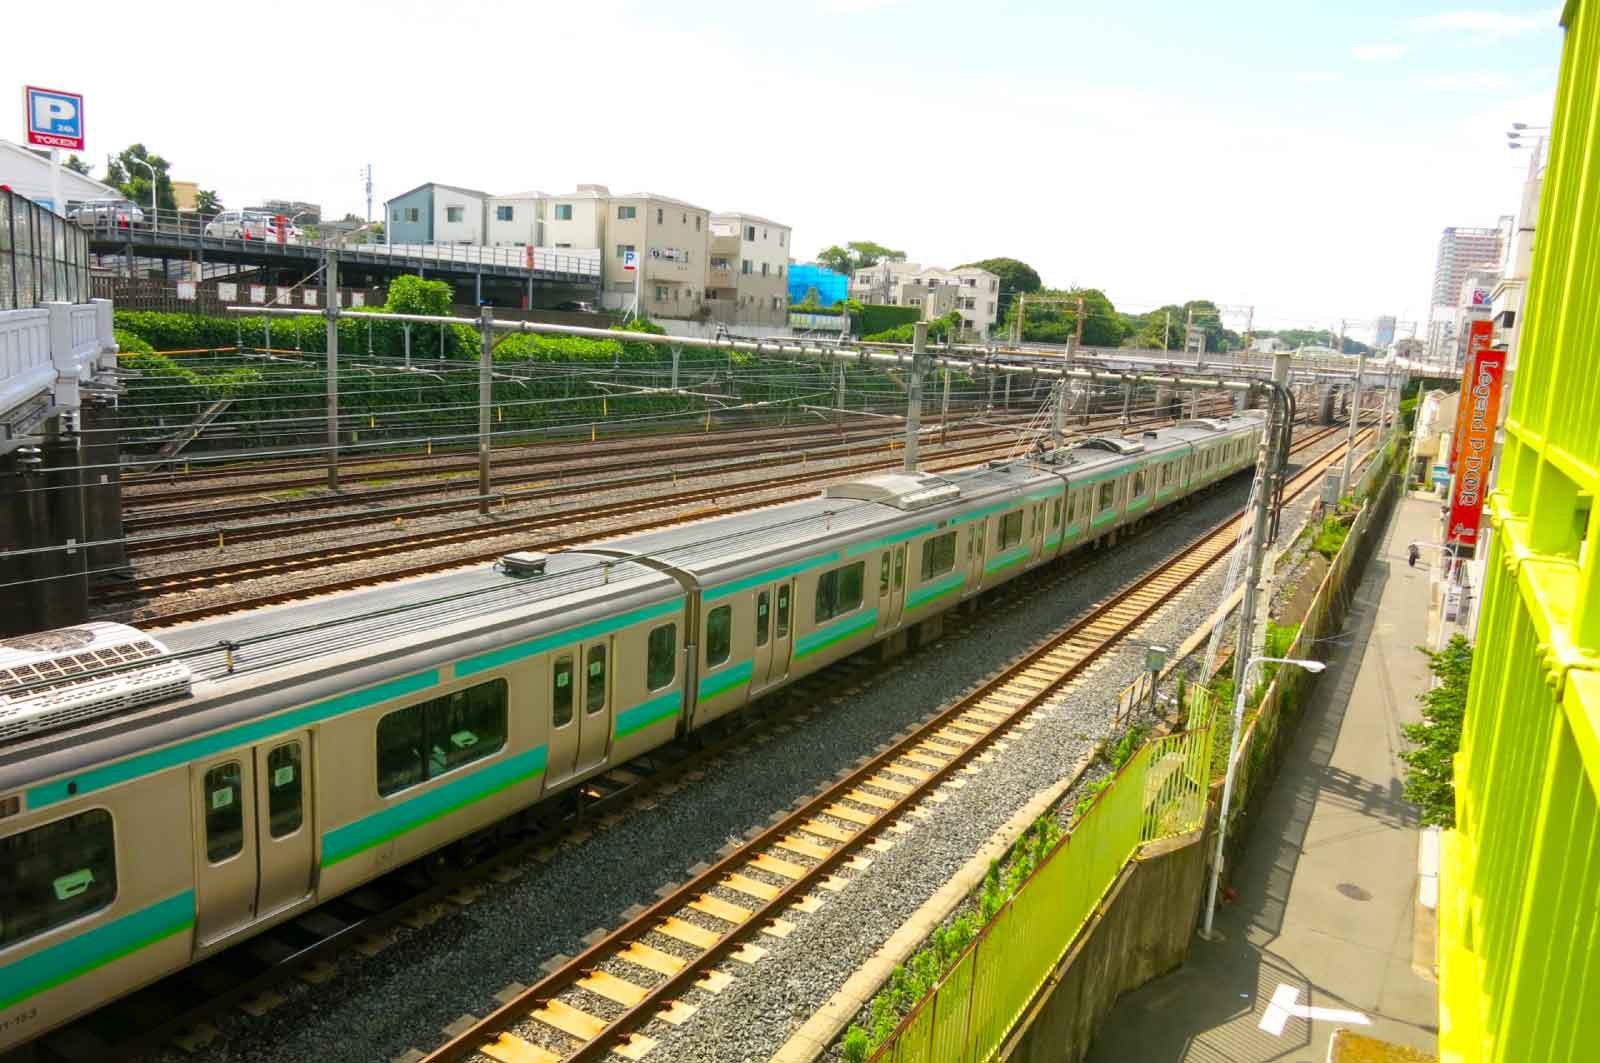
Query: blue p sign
[[55, 119]]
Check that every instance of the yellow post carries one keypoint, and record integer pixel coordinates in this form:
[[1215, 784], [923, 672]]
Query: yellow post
[[500, 414], [219, 539], [708, 420], [605, 410], [593, 433], [430, 448]]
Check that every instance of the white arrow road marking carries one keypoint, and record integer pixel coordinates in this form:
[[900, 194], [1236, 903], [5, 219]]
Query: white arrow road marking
[[1282, 1008]]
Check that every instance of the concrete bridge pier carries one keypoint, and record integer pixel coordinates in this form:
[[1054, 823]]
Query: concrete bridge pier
[[102, 487]]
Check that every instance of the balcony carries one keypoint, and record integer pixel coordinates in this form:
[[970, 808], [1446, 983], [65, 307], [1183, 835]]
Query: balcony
[[721, 278]]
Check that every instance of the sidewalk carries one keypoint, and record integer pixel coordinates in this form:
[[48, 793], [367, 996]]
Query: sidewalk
[[1323, 924]]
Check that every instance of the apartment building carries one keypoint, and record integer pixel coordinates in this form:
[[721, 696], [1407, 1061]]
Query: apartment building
[[974, 292], [512, 220], [672, 239], [437, 214], [747, 278]]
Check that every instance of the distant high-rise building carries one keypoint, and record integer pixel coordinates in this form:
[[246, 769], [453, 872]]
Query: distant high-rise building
[[1459, 250], [1385, 334]]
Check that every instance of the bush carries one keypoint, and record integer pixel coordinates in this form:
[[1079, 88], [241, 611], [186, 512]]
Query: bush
[[1330, 537], [875, 318], [130, 343], [1430, 767]]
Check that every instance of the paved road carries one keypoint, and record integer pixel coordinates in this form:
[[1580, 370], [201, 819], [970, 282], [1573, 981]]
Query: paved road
[[1324, 916]]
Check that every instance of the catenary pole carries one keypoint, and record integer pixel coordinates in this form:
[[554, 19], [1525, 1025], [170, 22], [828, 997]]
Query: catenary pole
[[330, 307], [1355, 414], [485, 389], [919, 366]]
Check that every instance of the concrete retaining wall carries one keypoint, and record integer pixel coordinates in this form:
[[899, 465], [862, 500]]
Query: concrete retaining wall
[[1142, 931]]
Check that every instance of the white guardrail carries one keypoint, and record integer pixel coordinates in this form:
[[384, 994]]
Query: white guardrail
[[51, 353]]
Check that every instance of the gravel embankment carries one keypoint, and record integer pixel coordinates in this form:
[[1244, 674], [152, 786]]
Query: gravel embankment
[[377, 1008]]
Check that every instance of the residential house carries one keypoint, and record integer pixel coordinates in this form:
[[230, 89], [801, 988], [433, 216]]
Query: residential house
[[747, 281], [974, 292], [28, 173], [437, 214], [513, 219]]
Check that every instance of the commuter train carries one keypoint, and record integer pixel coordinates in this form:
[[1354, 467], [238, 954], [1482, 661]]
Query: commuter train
[[161, 800]]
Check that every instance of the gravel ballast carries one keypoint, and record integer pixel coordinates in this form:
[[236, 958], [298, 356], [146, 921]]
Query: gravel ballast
[[378, 1007]]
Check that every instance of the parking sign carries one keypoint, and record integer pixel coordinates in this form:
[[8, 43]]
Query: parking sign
[[54, 119]]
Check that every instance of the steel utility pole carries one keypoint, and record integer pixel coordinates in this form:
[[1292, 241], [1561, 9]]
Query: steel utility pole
[[1077, 342], [944, 407], [330, 307], [919, 366], [485, 390], [1262, 495], [1355, 413]]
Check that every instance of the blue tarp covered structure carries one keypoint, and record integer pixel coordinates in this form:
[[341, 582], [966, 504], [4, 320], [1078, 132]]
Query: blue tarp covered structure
[[831, 287]]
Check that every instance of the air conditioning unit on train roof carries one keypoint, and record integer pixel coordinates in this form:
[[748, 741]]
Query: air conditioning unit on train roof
[[52, 679], [898, 489]]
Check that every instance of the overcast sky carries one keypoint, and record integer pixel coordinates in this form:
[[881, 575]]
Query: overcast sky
[[1300, 157]]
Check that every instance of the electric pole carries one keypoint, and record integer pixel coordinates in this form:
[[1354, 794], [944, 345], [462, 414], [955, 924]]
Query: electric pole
[[367, 174]]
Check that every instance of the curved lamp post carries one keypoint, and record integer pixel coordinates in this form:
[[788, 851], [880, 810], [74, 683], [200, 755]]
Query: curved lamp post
[[1233, 756]]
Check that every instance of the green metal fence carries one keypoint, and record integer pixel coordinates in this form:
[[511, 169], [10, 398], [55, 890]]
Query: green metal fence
[[1519, 917], [1160, 792]]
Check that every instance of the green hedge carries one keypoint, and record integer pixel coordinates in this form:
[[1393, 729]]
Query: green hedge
[[875, 318]]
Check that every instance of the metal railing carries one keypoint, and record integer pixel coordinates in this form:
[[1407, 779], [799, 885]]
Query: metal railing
[[42, 257], [1160, 792], [134, 224]]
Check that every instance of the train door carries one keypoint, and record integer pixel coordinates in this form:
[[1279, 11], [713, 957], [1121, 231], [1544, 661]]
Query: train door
[[223, 790], [897, 591], [255, 844], [283, 822], [594, 738], [977, 537], [1038, 518], [774, 637]]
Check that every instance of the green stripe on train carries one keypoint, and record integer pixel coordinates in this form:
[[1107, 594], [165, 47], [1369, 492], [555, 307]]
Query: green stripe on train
[[407, 815], [650, 713], [931, 592], [88, 950], [244, 734], [715, 685], [533, 647], [833, 633], [1005, 561]]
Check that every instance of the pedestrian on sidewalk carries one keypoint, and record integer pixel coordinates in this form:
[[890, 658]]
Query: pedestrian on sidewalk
[[1412, 553]]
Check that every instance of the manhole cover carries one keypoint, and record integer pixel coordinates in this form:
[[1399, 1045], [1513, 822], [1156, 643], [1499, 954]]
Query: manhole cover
[[1354, 892]]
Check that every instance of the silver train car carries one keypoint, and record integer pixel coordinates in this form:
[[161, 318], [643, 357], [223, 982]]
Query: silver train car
[[161, 800]]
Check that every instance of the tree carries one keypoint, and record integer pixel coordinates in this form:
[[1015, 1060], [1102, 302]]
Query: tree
[[76, 165], [207, 202], [410, 294], [857, 254], [125, 172], [1015, 276], [1163, 327], [1052, 317], [1430, 765]]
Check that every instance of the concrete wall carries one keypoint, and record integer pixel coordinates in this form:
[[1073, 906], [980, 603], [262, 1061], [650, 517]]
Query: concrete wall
[[1143, 931]]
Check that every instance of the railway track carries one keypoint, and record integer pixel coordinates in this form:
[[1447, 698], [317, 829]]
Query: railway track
[[362, 921], [713, 499], [702, 934], [552, 477]]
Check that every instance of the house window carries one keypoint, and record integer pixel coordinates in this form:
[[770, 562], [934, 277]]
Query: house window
[[720, 262], [563, 245], [623, 249], [697, 223], [661, 293], [454, 213], [660, 216], [563, 212], [413, 214], [763, 269], [745, 267], [780, 239], [504, 213], [396, 216], [780, 269], [627, 213]]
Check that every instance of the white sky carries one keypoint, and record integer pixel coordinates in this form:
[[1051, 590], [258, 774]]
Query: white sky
[[1301, 158]]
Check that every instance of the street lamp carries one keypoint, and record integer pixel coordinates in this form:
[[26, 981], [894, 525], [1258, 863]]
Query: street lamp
[[152, 170], [1233, 756]]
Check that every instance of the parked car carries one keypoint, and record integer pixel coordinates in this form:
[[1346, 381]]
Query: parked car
[[250, 225], [118, 212], [583, 308]]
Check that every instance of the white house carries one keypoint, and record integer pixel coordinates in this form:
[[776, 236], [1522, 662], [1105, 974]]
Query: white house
[[28, 173]]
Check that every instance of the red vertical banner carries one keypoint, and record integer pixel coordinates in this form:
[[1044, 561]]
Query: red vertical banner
[[1480, 399], [1479, 335]]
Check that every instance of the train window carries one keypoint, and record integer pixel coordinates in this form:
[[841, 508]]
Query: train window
[[899, 567], [763, 616], [594, 682], [1055, 513], [285, 794], [1138, 484], [719, 635], [56, 873], [561, 691], [224, 798], [1009, 529], [783, 611], [883, 574], [423, 741], [839, 590], [1108, 494], [661, 665], [938, 555]]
